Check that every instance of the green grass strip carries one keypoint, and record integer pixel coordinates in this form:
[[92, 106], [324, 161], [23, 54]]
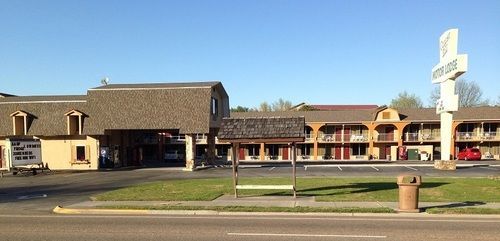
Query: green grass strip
[[326, 189], [258, 209], [463, 210]]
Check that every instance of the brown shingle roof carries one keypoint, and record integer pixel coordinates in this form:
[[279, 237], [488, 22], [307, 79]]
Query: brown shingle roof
[[158, 85], [358, 116], [341, 116], [43, 98], [463, 114], [182, 106], [261, 128], [47, 118]]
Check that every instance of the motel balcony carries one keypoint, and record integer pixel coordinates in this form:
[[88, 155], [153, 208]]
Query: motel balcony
[[309, 137], [467, 136], [175, 139], [339, 138], [490, 136], [329, 138], [420, 137], [356, 138], [385, 137]]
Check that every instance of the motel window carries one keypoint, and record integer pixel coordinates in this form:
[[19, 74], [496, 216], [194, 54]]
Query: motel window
[[490, 127], [20, 122], [74, 122], [358, 149], [214, 108], [80, 153]]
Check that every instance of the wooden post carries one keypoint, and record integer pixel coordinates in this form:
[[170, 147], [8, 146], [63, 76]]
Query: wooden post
[[234, 160], [294, 161]]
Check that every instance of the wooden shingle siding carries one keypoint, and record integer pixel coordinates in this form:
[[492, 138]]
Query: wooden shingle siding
[[181, 106], [262, 128], [46, 113]]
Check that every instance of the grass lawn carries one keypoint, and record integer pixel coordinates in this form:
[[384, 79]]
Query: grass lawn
[[258, 209], [325, 189], [465, 210]]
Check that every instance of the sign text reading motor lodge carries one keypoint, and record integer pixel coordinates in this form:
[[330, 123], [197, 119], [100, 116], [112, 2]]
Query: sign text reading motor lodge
[[444, 69], [450, 69]]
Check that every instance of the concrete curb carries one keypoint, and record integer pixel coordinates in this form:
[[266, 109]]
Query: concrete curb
[[96, 211]]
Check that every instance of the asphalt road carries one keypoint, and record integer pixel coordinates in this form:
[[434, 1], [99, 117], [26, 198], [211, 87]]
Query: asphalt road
[[220, 228], [41, 193]]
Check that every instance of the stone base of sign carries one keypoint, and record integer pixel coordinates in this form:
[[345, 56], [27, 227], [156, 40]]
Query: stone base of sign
[[445, 165]]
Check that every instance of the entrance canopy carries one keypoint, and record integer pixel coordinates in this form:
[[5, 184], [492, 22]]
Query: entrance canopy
[[262, 129]]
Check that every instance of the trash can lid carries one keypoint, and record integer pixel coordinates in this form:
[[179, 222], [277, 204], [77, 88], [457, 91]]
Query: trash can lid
[[408, 179]]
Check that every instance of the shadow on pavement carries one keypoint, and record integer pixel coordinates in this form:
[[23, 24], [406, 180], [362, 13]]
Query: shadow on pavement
[[458, 205]]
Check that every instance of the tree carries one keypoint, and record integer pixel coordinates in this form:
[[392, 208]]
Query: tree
[[264, 107], [240, 108], [281, 105], [469, 94], [406, 100]]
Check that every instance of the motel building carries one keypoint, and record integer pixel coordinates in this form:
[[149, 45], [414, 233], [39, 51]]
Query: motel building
[[117, 125], [176, 124], [380, 133]]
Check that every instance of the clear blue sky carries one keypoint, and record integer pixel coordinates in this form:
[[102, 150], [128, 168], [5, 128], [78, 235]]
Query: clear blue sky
[[320, 52]]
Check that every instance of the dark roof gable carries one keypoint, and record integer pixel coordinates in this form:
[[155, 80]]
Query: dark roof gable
[[262, 128]]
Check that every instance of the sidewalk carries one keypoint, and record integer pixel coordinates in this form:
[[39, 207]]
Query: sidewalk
[[275, 201]]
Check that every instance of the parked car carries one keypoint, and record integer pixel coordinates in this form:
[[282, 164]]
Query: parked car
[[173, 155], [469, 154]]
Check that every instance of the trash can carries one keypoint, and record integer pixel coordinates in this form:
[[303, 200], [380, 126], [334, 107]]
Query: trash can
[[424, 156], [408, 193]]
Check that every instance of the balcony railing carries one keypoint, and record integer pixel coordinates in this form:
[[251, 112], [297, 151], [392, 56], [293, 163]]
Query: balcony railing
[[421, 137], [386, 137], [309, 137], [328, 137], [358, 138], [412, 136], [201, 139], [466, 136], [176, 139], [489, 136]]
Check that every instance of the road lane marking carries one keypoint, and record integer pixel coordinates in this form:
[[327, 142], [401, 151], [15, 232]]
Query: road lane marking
[[31, 196], [272, 168], [306, 235], [339, 168], [376, 169], [411, 168], [489, 168]]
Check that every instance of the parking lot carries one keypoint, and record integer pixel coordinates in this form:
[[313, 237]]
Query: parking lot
[[477, 169], [41, 193]]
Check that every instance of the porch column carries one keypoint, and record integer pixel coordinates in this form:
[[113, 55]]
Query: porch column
[[210, 155], [190, 152], [315, 128], [262, 151], [400, 127], [371, 128], [454, 126]]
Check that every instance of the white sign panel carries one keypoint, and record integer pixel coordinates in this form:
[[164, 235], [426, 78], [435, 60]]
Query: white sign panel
[[450, 69], [25, 152], [446, 105], [451, 64]]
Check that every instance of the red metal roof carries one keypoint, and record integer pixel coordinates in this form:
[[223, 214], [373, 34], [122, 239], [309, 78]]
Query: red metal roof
[[344, 107]]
